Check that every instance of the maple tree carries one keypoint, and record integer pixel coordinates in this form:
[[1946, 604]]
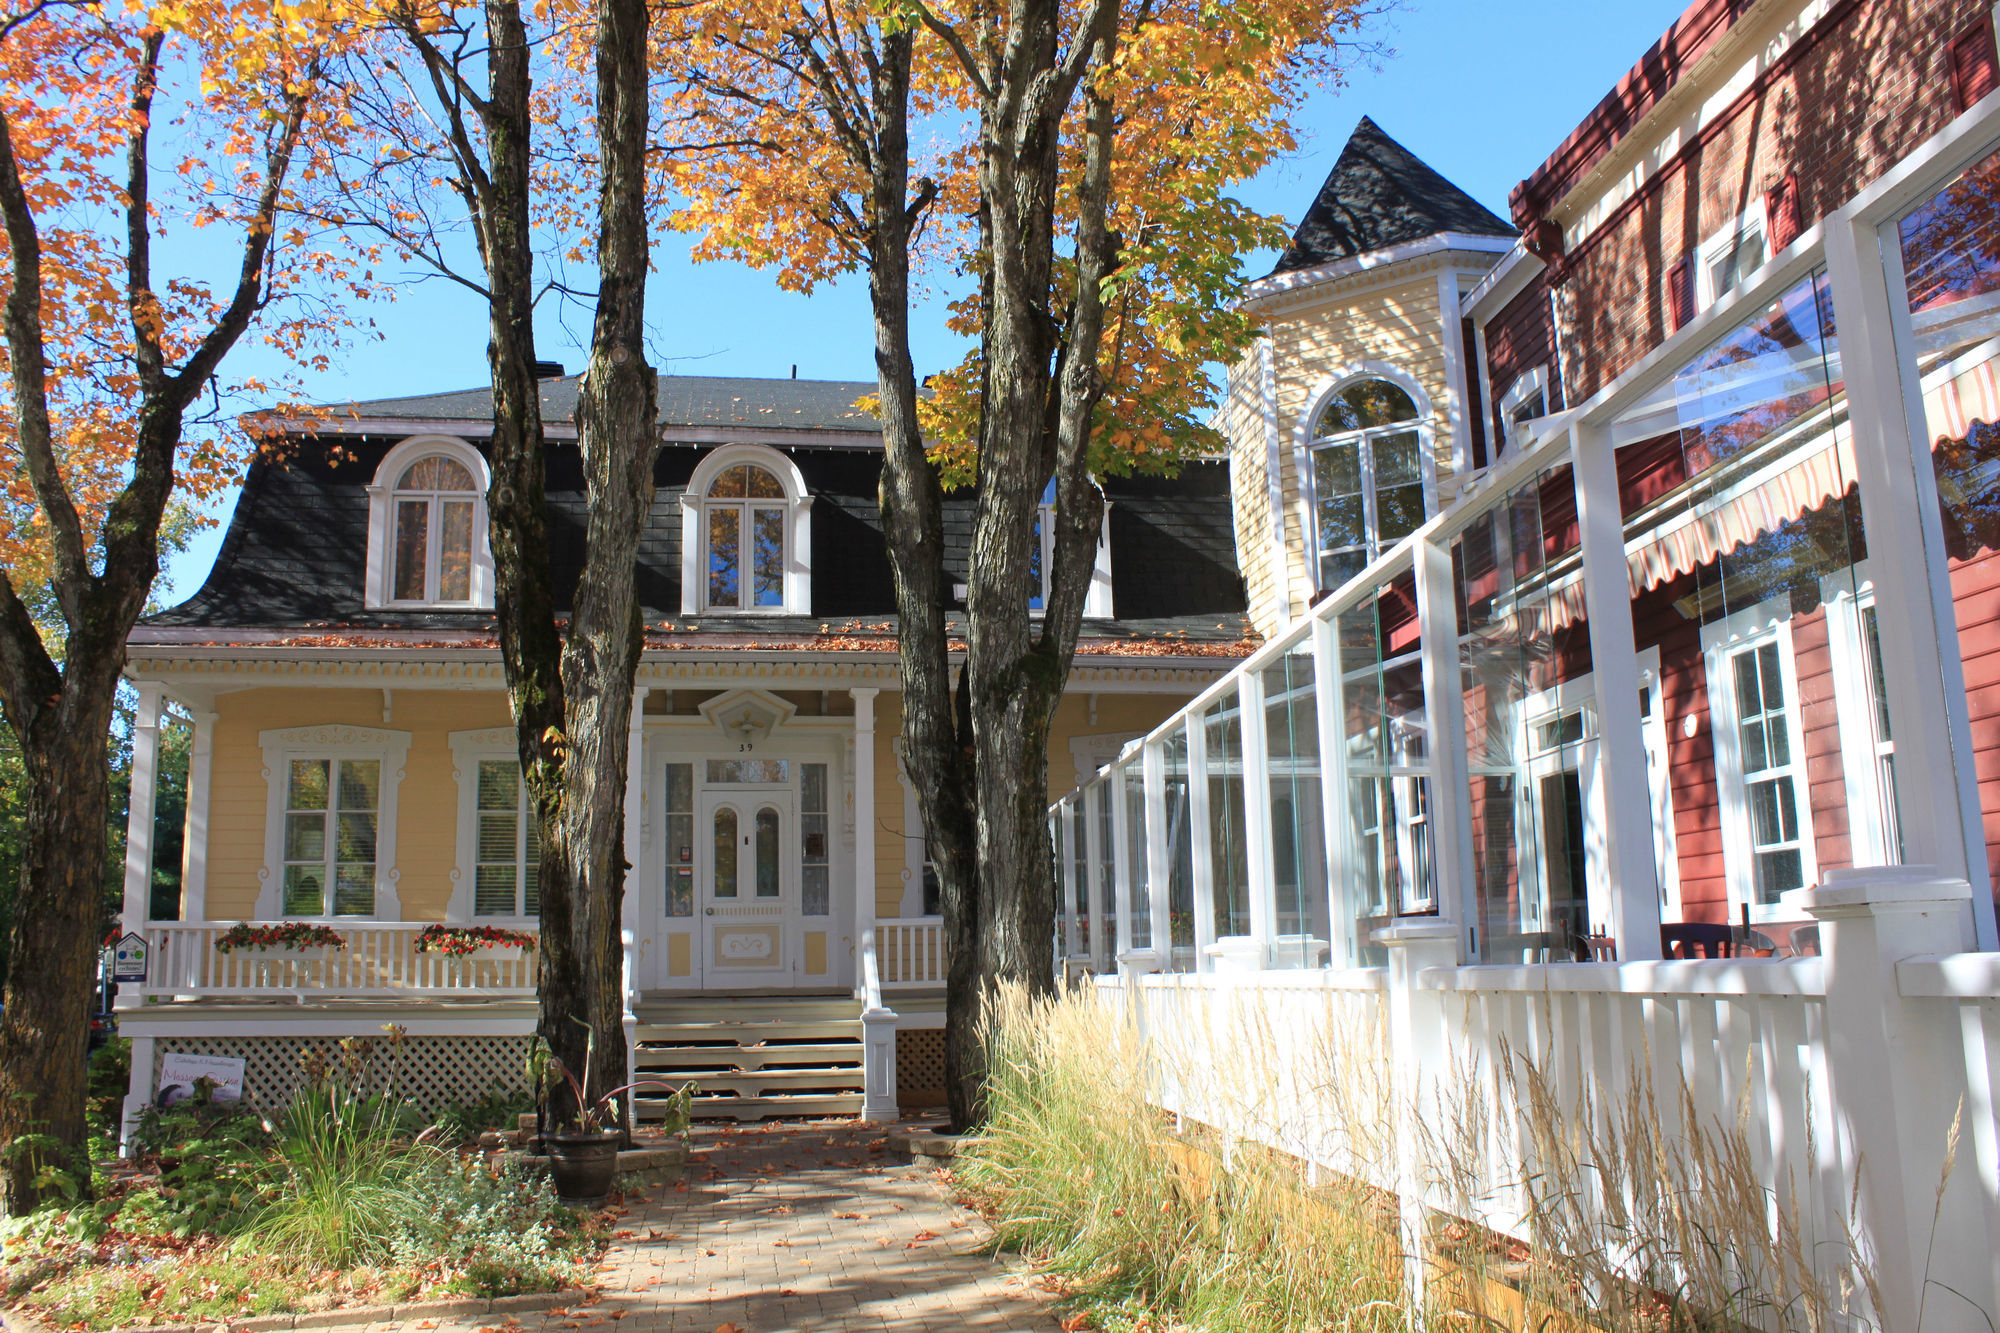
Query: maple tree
[[115, 125], [494, 126], [1071, 171]]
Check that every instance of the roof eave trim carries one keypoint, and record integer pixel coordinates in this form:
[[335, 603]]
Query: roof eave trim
[[1502, 284], [481, 428], [1277, 284]]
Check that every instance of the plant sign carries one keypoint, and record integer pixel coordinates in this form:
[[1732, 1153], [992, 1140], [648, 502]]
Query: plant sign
[[128, 959], [178, 1072]]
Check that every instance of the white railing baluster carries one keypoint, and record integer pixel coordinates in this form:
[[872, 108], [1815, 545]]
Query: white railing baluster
[[379, 959]]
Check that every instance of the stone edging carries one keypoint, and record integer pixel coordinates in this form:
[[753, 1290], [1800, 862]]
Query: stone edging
[[355, 1316]]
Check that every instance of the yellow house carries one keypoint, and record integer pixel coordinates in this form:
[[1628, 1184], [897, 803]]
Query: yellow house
[[353, 761]]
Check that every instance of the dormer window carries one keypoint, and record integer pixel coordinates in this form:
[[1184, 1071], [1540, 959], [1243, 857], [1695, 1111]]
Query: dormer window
[[1042, 561], [427, 543], [746, 535], [1372, 476], [434, 502]]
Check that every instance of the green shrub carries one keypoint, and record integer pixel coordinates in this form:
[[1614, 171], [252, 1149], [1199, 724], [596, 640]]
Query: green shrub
[[347, 1178], [504, 1232], [462, 1122], [110, 1079]]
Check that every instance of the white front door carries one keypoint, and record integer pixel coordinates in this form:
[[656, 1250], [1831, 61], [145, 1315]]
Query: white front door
[[747, 853]]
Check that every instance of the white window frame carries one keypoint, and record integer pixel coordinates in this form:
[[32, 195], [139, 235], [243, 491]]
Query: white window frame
[[1514, 434], [1767, 622], [1660, 783], [1717, 245], [1304, 439], [468, 750], [1870, 815], [797, 504], [378, 580], [1097, 601], [280, 747]]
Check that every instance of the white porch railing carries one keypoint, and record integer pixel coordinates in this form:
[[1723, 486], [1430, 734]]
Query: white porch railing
[[380, 959], [911, 952], [1858, 1093]]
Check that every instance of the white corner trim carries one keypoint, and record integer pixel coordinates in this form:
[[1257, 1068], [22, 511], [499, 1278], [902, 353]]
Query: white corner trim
[[798, 507], [332, 741], [1281, 573], [1457, 421], [1502, 283], [381, 516]]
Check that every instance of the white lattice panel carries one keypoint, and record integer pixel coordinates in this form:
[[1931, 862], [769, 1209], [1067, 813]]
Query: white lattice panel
[[431, 1072]]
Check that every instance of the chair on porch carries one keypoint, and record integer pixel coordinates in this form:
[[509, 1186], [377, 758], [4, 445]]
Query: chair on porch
[[1711, 939]]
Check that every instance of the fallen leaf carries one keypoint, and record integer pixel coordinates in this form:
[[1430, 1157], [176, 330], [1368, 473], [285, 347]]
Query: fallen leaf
[[926, 1235], [731, 1328], [1070, 1323], [852, 1217]]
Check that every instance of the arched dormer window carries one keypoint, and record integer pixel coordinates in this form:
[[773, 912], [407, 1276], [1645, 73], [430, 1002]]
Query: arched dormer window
[[427, 540], [1373, 480], [746, 535]]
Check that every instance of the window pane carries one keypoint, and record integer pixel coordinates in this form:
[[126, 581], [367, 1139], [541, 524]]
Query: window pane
[[761, 485], [1398, 460], [455, 551], [494, 890], [412, 549], [1363, 404], [680, 840], [725, 557], [731, 484], [768, 538], [499, 837], [435, 473], [1228, 857], [750, 770], [725, 853], [305, 891], [1140, 920], [499, 784], [815, 850], [1298, 851], [1107, 868], [767, 853], [354, 840], [305, 837], [1398, 512], [531, 865], [1180, 854], [360, 781], [308, 785], [354, 891]]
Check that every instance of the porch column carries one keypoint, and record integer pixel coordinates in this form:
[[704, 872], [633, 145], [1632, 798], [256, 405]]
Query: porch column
[[864, 822], [1258, 859], [139, 810], [1330, 718], [194, 847], [1444, 703], [1614, 657], [1937, 797], [1198, 841], [632, 905]]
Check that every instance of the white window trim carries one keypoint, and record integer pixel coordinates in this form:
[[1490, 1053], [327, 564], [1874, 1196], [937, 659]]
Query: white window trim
[[1718, 243], [798, 531], [382, 523], [390, 748], [1302, 442], [468, 748], [1097, 603], [1660, 784], [1767, 622], [1514, 437], [1861, 750]]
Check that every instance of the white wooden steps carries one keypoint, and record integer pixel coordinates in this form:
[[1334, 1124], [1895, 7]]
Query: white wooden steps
[[752, 1057]]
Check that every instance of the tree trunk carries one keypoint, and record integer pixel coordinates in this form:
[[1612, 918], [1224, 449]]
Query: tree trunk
[[618, 431], [912, 503], [58, 917]]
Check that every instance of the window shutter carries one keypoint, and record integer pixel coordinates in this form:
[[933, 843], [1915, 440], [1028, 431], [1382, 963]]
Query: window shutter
[[1975, 65], [1781, 213], [1680, 292]]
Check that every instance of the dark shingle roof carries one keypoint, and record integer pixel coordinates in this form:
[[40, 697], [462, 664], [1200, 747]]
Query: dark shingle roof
[[1381, 194], [685, 400], [296, 549]]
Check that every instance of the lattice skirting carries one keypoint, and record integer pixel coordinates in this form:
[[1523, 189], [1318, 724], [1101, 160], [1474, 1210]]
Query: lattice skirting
[[919, 1067], [432, 1072]]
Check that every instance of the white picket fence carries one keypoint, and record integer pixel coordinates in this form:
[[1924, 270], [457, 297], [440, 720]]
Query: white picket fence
[[379, 959], [1843, 1083], [910, 951]]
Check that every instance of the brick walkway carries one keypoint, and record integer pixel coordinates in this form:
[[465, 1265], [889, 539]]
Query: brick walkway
[[799, 1228]]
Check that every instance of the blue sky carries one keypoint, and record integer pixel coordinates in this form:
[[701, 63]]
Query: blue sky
[[1482, 91]]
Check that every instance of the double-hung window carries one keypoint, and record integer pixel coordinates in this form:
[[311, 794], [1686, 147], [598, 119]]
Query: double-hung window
[[508, 850], [743, 525], [1526, 399], [1731, 255], [331, 809], [1371, 480], [435, 499], [1773, 817]]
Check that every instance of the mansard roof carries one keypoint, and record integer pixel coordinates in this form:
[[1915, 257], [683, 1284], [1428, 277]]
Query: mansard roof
[[1381, 194], [684, 400], [292, 563]]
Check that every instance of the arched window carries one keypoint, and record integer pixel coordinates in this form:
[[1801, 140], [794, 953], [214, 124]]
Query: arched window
[[427, 527], [746, 535], [743, 530], [1371, 479]]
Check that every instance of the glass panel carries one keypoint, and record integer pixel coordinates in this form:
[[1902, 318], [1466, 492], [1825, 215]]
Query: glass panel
[[413, 519], [499, 784], [767, 853], [1228, 858], [360, 780], [308, 784], [455, 551], [680, 839], [1140, 921], [531, 863], [761, 485], [354, 839], [1298, 848], [768, 544], [305, 837], [1743, 530], [1180, 853], [750, 770], [1337, 491], [815, 892], [1079, 846], [731, 483], [725, 853], [435, 473], [725, 558], [494, 889], [305, 890], [499, 837], [1107, 866], [1362, 404], [1398, 459], [354, 891], [1524, 659]]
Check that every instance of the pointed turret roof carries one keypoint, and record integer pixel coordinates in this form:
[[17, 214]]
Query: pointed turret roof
[[1381, 194]]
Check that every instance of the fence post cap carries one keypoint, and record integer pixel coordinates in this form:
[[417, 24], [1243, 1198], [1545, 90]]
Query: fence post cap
[[1421, 931], [1865, 889]]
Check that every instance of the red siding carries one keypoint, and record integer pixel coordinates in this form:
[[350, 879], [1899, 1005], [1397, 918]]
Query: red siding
[[1518, 339]]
